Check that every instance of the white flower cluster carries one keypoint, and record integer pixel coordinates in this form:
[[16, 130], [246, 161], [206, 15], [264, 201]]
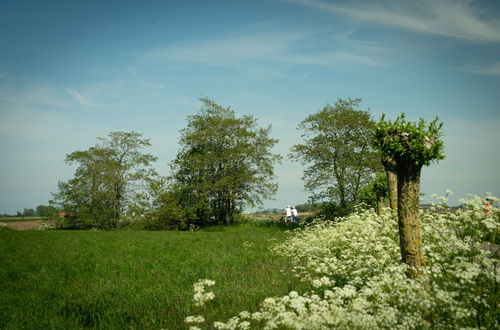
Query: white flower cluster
[[195, 319], [355, 266], [46, 226], [200, 296], [360, 282]]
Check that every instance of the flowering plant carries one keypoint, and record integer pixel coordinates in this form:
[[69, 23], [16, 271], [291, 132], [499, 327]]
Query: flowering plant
[[360, 282]]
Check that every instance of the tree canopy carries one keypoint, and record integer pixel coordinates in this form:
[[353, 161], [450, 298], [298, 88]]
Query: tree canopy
[[405, 141], [337, 148], [225, 162], [105, 180]]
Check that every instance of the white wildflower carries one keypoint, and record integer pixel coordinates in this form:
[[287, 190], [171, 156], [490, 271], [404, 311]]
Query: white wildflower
[[194, 319], [200, 296]]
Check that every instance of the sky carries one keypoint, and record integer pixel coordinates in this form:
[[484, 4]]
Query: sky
[[71, 71]]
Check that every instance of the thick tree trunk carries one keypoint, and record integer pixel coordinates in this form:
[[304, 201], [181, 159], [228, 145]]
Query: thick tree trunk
[[380, 204], [392, 182], [410, 227]]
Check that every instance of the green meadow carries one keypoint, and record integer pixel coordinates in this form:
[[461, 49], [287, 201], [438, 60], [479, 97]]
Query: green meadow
[[136, 279]]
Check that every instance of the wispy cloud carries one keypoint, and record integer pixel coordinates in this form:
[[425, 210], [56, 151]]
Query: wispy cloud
[[459, 19], [272, 47], [228, 49], [37, 94], [489, 69], [82, 100], [333, 59]]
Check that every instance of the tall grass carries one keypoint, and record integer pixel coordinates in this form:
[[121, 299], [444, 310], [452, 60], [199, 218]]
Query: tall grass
[[138, 279]]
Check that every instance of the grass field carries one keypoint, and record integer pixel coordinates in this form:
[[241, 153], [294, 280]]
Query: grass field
[[135, 279]]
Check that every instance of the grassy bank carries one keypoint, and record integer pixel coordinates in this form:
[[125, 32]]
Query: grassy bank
[[73, 279]]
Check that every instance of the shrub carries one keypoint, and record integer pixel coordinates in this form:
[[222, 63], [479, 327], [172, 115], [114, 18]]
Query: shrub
[[168, 214], [332, 210]]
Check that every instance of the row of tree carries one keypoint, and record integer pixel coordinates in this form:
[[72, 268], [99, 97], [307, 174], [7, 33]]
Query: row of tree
[[40, 211], [228, 161], [225, 163]]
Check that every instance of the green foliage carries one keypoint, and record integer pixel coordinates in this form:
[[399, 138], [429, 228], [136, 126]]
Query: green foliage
[[134, 279], [377, 187], [331, 210], [46, 211], [405, 141], [29, 213], [338, 150], [483, 219], [225, 162], [168, 213], [107, 177], [305, 207]]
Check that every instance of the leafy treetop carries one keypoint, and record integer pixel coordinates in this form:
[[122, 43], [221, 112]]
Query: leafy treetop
[[225, 160], [411, 142], [337, 148]]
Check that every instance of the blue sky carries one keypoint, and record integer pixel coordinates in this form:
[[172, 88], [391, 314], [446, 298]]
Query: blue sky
[[74, 70]]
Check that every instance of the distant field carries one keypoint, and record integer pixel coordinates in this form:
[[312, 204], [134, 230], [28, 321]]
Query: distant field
[[136, 279], [18, 219]]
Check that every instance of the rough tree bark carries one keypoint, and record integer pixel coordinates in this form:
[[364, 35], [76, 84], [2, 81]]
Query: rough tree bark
[[392, 181], [380, 203], [410, 226]]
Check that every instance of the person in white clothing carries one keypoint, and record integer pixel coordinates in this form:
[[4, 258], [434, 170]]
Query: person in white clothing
[[295, 214], [288, 214]]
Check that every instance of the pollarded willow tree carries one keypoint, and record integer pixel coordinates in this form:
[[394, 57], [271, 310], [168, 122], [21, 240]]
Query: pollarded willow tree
[[410, 145], [338, 150], [225, 162], [392, 181]]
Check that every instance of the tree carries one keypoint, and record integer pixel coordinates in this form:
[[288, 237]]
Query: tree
[[392, 182], [410, 145], [129, 166], [45, 211], [375, 193], [28, 213], [338, 150], [105, 179], [305, 207], [225, 162], [381, 189]]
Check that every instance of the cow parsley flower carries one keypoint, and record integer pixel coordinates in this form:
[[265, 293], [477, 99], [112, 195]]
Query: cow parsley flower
[[200, 296]]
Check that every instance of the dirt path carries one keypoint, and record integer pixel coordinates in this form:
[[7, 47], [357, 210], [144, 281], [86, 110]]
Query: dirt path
[[23, 225]]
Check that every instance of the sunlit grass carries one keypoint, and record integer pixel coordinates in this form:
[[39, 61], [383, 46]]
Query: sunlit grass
[[68, 279]]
